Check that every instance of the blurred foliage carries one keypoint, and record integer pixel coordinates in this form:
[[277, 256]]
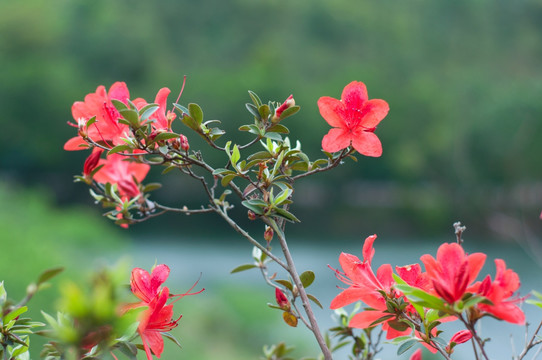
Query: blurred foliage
[[463, 80]]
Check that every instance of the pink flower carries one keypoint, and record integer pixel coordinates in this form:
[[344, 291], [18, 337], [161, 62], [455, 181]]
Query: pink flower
[[118, 169], [453, 270], [500, 292], [147, 286], [106, 129], [354, 119]]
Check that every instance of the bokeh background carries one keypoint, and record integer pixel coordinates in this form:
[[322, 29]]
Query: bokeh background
[[461, 141]]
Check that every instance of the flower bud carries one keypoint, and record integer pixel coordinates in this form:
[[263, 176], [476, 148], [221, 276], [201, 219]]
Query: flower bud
[[282, 300], [184, 142], [92, 161], [268, 234], [288, 103], [458, 338], [251, 215], [128, 188]]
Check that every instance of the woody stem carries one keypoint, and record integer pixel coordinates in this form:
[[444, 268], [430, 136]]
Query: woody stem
[[302, 294]]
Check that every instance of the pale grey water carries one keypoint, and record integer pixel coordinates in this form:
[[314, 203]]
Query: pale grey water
[[214, 260]]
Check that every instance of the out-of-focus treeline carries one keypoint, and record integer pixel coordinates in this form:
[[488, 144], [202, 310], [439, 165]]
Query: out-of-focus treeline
[[463, 79]]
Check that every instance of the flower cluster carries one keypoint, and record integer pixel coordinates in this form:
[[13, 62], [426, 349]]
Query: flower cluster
[[405, 302], [158, 317]]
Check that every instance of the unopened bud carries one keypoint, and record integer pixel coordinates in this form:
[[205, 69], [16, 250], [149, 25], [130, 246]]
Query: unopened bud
[[251, 215], [268, 234], [128, 188], [459, 337], [288, 103], [92, 161], [282, 300], [184, 142]]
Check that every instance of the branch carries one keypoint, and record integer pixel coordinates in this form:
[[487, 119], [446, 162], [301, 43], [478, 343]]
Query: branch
[[297, 281], [333, 164]]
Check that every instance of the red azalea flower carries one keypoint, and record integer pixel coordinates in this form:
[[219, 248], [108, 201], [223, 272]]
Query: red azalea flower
[[147, 286], [154, 321], [106, 129], [500, 292], [364, 286], [354, 119], [118, 169], [453, 270]]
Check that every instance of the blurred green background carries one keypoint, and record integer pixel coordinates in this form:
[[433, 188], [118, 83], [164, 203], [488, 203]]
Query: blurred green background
[[461, 141]]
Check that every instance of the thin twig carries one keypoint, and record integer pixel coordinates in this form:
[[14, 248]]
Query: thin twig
[[532, 343]]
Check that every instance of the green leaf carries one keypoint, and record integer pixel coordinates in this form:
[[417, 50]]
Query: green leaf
[[151, 187], [279, 129], [190, 122], [165, 136], [13, 314], [264, 111], [235, 155], [195, 112], [255, 208], [406, 345], [49, 274], [227, 179], [381, 319], [289, 112], [287, 284], [222, 171], [132, 116], [420, 297], [181, 109], [172, 338], [255, 98], [315, 300], [147, 111], [273, 136], [286, 215], [260, 155], [91, 121], [3, 294], [243, 268], [119, 105], [163, 149], [307, 278], [253, 110], [119, 148], [283, 195]]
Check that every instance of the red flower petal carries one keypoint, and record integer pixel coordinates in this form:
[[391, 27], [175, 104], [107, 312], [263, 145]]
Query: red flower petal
[[119, 91], [75, 143], [364, 319], [354, 94], [156, 342], [335, 140], [373, 111], [366, 143], [347, 297], [331, 110]]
